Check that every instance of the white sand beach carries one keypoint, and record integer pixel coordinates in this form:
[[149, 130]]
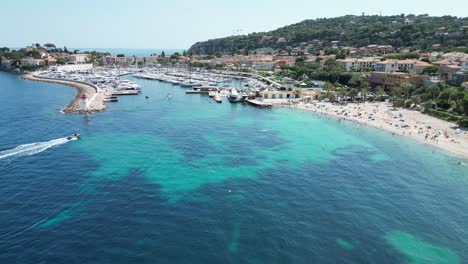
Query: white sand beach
[[400, 122]]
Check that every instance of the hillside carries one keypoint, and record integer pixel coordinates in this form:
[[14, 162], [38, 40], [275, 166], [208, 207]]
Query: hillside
[[411, 31]]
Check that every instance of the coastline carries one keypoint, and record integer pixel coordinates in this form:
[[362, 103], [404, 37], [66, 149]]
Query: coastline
[[96, 99], [400, 122]]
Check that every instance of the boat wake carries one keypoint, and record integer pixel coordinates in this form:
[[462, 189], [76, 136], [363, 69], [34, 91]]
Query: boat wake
[[31, 149]]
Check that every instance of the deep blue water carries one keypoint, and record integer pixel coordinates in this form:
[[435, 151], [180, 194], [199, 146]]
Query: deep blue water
[[190, 181]]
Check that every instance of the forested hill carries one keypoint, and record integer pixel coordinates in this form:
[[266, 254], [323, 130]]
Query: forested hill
[[419, 32]]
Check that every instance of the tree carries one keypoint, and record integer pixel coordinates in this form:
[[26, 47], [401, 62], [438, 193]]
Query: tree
[[433, 91], [431, 70], [406, 88], [457, 96], [380, 92], [364, 93], [49, 46], [120, 55], [65, 49], [353, 93], [355, 80], [163, 54], [464, 104], [329, 87]]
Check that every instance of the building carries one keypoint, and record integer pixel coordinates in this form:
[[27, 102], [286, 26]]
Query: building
[[410, 66], [50, 61], [107, 60], [32, 62], [350, 64], [291, 92], [458, 78], [393, 79], [78, 58], [151, 60], [281, 94]]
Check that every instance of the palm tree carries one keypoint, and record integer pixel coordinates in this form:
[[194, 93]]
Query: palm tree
[[353, 93], [364, 93], [380, 92]]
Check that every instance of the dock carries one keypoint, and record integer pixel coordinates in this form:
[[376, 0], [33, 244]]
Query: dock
[[259, 104], [125, 92], [193, 92], [111, 99]]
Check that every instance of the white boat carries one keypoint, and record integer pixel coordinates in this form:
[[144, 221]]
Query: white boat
[[74, 137], [217, 98]]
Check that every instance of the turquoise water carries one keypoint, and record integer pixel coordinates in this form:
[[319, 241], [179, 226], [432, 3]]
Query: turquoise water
[[187, 180]]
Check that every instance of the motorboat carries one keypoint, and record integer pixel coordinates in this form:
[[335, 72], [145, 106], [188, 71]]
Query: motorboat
[[74, 137], [217, 98], [234, 97]]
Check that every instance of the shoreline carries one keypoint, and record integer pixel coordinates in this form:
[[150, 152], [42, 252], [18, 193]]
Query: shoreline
[[96, 99], [400, 122]]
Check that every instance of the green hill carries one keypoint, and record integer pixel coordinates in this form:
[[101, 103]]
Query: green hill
[[411, 31]]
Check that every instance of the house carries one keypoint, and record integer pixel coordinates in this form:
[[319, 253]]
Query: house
[[151, 60], [107, 60], [78, 58], [50, 61], [32, 62]]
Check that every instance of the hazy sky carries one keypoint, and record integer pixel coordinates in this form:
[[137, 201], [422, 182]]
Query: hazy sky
[[178, 23]]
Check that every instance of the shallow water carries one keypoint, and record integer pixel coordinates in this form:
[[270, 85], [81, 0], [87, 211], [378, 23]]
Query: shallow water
[[188, 180]]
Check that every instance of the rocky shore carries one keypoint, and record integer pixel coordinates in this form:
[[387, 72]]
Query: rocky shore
[[95, 98]]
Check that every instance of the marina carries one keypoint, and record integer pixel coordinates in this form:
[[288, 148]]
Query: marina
[[105, 85]]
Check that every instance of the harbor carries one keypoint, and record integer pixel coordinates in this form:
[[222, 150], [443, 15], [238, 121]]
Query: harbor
[[97, 86]]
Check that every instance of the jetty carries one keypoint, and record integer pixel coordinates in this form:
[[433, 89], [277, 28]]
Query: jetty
[[259, 104], [95, 103]]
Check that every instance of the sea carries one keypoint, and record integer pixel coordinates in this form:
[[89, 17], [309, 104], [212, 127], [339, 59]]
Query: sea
[[186, 180]]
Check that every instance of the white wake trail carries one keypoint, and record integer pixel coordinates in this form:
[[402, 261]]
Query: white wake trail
[[31, 149]]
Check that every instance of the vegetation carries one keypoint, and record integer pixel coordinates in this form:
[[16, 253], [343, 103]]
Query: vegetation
[[415, 32]]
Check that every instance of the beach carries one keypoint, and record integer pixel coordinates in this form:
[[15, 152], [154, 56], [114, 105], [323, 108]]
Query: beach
[[400, 122], [95, 98]]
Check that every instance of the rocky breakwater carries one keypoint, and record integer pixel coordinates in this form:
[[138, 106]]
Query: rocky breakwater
[[95, 99]]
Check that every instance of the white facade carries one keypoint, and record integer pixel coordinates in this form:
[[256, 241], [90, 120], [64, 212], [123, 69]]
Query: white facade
[[357, 64], [78, 58], [32, 62]]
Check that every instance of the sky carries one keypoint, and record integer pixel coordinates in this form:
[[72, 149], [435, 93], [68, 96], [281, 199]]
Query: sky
[[177, 24]]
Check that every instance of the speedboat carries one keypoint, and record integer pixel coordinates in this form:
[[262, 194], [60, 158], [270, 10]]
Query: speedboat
[[217, 98], [74, 137]]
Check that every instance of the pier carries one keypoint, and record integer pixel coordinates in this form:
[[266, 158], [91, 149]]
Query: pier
[[259, 104]]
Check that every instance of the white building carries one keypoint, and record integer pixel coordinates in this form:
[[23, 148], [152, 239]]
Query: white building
[[410, 66], [365, 64], [32, 62], [78, 58]]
